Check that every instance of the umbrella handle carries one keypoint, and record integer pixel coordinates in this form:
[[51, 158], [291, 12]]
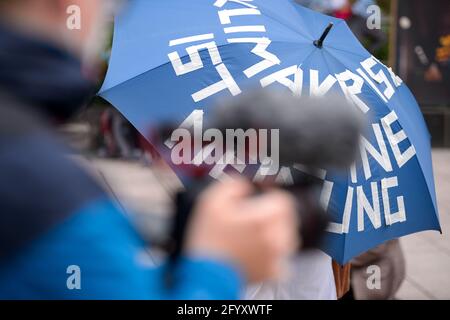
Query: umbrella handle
[[319, 43]]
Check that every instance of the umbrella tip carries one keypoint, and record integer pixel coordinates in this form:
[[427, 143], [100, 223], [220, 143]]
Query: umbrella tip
[[319, 43]]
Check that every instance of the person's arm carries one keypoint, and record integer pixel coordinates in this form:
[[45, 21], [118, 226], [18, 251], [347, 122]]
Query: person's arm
[[111, 260], [106, 259]]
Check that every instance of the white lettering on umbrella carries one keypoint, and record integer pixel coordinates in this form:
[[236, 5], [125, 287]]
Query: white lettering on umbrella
[[201, 37], [282, 77], [227, 81], [381, 157], [350, 82], [383, 83], [396, 138], [316, 89], [221, 3], [225, 15], [196, 62], [372, 210], [262, 43], [260, 50], [400, 215], [258, 28], [351, 91], [379, 77], [334, 227], [395, 79], [371, 84]]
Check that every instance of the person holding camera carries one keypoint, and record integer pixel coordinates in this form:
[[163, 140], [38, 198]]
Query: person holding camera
[[61, 235]]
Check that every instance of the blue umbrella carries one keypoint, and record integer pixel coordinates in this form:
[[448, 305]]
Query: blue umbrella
[[172, 57]]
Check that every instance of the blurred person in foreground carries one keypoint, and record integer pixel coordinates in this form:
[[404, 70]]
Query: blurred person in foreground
[[54, 218]]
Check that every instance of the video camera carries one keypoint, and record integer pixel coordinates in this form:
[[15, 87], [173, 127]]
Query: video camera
[[315, 134]]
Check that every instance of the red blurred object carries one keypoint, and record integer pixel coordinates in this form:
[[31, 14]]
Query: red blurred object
[[345, 13]]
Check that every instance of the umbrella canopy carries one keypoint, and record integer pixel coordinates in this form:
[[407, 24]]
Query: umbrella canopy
[[172, 57]]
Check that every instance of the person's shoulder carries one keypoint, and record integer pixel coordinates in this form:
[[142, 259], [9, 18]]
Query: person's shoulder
[[16, 118], [40, 183]]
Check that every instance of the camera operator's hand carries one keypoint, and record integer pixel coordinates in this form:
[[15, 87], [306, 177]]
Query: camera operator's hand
[[255, 233]]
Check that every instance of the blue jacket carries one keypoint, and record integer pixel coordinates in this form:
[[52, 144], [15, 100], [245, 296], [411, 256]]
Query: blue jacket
[[98, 240], [61, 237], [53, 216]]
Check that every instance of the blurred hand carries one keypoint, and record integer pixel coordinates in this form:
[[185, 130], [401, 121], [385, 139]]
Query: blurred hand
[[255, 233]]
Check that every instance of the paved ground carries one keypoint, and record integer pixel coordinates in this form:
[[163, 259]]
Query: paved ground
[[146, 191], [428, 253]]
